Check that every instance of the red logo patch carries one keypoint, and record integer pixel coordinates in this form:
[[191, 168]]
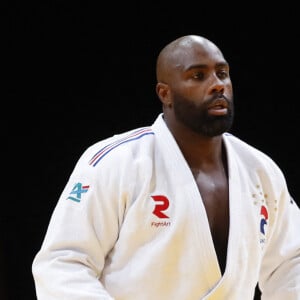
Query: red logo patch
[[160, 207]]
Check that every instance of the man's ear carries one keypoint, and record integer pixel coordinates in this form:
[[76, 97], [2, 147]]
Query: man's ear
[[163, 93]]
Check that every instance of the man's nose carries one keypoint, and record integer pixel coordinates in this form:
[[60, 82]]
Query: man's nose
[[217, 85]]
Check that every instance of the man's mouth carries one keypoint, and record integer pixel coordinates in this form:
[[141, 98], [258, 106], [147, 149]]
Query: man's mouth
[[218, 107]]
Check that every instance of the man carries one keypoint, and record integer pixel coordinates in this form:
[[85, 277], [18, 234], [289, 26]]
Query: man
[[181, 209]]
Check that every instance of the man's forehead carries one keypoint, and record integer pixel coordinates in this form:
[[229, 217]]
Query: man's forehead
[[201, 57]]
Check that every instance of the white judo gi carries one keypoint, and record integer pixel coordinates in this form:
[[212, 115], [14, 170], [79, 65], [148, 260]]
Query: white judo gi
[[130, 224]]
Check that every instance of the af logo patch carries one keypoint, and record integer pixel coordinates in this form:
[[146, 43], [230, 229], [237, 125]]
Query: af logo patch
[[78, 191]]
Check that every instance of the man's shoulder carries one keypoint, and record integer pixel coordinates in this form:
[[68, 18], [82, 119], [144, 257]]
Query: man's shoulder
[[245, 149], [120, 145]]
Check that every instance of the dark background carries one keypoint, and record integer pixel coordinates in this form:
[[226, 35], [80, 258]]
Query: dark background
[[77, 72]]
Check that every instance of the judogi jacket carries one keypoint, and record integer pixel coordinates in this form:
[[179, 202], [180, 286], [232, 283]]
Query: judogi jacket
[[130, 224]]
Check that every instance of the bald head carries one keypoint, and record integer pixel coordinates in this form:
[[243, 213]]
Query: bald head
[[192, 72], [175, 55]]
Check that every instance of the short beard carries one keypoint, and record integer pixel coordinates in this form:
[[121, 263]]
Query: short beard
[[198, 120]]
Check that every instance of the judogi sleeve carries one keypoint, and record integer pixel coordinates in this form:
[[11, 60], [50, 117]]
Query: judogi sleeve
[[280, 275], [83, 229]]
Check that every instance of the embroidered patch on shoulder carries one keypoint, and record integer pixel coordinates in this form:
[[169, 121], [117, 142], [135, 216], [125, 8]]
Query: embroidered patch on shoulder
[[78, 191]]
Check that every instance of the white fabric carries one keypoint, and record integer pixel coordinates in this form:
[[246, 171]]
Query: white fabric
[[107, 242]]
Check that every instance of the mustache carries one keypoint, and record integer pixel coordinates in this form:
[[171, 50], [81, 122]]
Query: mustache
[[216, 97]]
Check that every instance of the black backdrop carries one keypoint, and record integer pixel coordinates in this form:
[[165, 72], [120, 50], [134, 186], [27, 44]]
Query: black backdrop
[[77, 72]]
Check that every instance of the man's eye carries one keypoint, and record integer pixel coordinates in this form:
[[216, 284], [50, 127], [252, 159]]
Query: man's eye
[[198, 75], [222, 74]]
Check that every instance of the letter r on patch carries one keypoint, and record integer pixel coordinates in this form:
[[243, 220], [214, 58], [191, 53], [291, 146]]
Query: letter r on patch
[[160, 207]]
